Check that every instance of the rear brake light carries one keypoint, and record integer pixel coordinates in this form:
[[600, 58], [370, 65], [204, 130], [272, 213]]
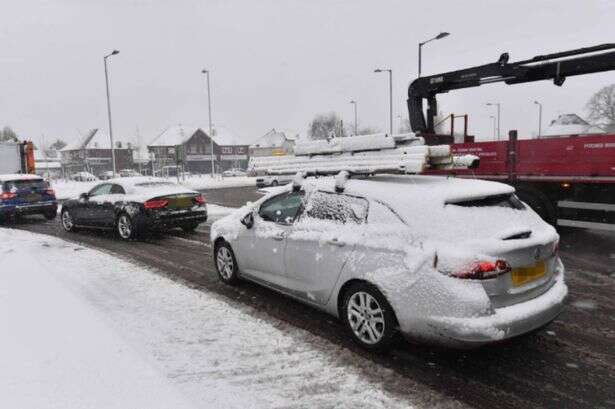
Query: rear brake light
[[200, 200], [50, 192], [555, 248], [7, 195], [156, 204], [482, 270]]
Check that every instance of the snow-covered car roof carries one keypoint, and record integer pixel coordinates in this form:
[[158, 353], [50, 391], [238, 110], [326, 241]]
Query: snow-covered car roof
[[18, 176], [401, 188], [145, 187], [428, 206]]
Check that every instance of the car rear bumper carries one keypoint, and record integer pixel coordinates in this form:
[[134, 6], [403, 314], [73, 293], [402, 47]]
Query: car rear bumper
[[30, 208], [169, 220], [504, 323]]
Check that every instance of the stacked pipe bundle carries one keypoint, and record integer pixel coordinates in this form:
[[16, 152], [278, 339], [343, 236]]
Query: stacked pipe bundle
[[365, 154]]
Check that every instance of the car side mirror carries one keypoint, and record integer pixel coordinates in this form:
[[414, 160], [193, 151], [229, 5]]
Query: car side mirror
[[248, 220], [84, 196]]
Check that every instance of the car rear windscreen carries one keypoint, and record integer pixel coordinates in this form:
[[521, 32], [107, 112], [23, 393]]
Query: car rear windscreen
[[506, 200], [30, 184]]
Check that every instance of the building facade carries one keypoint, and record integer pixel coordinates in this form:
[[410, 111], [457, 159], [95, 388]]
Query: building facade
[[190, 150], [273, 143]]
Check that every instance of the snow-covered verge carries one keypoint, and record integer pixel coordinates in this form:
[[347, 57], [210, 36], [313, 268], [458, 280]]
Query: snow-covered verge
[[67, 189], [82, 328]]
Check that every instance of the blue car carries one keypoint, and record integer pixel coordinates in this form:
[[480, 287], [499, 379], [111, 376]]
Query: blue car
[[26, 194]]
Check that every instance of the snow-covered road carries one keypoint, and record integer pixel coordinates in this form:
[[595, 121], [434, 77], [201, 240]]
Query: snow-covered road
[[82, 328]]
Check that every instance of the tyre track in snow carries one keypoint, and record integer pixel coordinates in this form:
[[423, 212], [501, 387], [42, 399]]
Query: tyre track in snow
[[570, 364]]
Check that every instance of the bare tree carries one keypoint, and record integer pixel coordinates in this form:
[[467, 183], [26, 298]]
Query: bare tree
[[7, 134], [326, 126], [58, 144], [601, 107]]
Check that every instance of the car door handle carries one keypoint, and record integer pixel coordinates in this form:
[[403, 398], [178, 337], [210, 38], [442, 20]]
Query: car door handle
[[279, 237], [336, 242]]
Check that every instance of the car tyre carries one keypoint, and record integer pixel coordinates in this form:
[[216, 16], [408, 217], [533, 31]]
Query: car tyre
[[125, 227], [67, 221], [274, 183], [226, 263], [50, 215], [368, 317]]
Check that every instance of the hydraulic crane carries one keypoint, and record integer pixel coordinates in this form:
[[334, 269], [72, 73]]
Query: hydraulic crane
[[555, 66]]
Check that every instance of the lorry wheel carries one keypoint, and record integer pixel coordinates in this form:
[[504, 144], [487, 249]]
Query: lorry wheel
[[540, 203]]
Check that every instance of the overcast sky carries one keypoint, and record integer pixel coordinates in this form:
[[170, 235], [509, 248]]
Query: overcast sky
[[276, 63]]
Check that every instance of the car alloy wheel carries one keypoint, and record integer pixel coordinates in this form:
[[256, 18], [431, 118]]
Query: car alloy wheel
[[366, 317], [124, 227], [67, 221], [226, 263]]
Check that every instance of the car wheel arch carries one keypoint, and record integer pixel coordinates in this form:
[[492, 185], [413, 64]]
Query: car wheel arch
[[348, 284]]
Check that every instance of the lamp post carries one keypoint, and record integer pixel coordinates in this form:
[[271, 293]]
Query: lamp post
[[497, 104], [114, 52], [438, 37], [211, 140], [539, 118], [390, 96], [493, 124], [356, 126]]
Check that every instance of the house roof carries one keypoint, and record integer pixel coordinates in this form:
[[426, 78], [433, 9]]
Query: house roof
[[272, 139], [93, 139], [174, 135], [570, 124], [223, 136]]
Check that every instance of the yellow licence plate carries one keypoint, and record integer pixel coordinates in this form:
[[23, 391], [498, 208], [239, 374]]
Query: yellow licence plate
[[523, 275], [180, 202]]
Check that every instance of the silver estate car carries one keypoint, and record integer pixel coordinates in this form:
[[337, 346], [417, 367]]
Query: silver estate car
[[442, 260]]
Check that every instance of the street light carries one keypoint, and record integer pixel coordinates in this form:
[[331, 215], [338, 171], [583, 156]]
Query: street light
[[493, 123], [390, 96], [497, 104], [211, 140], [354, 102], [539, 117], [114, 52], [438, 37]]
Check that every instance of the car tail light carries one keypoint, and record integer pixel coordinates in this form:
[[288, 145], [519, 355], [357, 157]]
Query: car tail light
[[482, 270], [156, 204], [50, 192], [7, 195], [200, 200], [555, 248]]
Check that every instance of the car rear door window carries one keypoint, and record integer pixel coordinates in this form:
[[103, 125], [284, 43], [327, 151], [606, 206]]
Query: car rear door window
[[103, 189], [117, 190], [282, 209], [341, 208]]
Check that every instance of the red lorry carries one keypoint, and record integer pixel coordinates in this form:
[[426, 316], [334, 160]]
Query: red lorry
[[569, 180]]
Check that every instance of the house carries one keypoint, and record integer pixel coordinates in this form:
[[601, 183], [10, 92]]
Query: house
[[234, 153], [274, 143], [569, 124], [92, 153], [47, 163], [191, 149]]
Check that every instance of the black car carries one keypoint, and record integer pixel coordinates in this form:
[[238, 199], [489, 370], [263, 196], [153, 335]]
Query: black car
[[26, 194], [135, 205]]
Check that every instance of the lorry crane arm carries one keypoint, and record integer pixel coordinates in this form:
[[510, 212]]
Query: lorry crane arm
[[555, 66]]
